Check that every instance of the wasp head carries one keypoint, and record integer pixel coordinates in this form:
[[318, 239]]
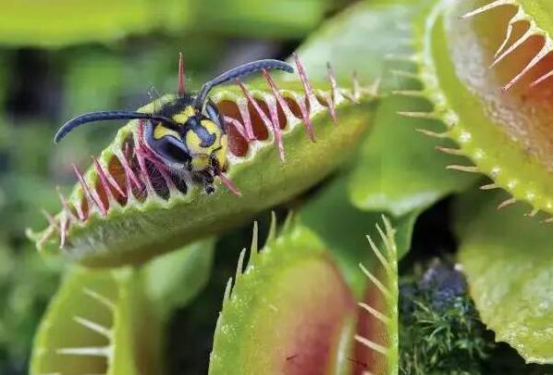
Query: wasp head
[[189, 139]]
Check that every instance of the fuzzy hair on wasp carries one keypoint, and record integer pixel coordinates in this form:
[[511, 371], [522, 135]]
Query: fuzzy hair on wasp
[[186, 133]]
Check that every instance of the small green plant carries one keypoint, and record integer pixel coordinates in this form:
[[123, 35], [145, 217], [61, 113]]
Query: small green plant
[[440, 329]]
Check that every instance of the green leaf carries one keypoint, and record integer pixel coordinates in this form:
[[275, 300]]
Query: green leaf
[[507, 258], [20, 195], [174, 279], [87, 91], [5, 61], [61, 22], [103, 21], [290, 311], [259, 18], [399, 170], [360, 39], [496, 110]]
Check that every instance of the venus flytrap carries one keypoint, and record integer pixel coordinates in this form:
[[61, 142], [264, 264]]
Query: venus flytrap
[[443, 65], [277, 318], [112, 321], [290, 310], [492, 101], [377, 334], [127, 207], [89, 327]]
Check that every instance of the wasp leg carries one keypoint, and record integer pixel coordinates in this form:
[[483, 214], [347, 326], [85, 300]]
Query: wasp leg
[[205, 179], [209, 183]]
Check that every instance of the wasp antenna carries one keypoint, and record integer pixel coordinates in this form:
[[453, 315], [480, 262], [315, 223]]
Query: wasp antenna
[[181, 86], [239, 72], [106, 116]]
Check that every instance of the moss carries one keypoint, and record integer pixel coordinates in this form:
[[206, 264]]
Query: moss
[[440, 331]]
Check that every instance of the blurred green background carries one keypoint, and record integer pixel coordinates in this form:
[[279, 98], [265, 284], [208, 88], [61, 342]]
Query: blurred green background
[[60, 58]]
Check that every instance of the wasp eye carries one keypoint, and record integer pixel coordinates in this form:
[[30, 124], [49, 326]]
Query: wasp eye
[[172, 150], [168, 147]]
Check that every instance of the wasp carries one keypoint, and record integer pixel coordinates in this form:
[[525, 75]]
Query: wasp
[[187, 133]]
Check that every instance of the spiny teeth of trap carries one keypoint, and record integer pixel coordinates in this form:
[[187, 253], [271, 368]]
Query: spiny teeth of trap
[[135, 155], [51, 219], [487, 7], [506, 203], [102, 351], [442, 113], [103, 300], [94, 327], [253, 256], [242, 105], [66, 209], [131, 177], [272, 124], [91, 195], [142, 154], [387, 259], [229, 184], [237, 125], [94, 351], [541, 79], [308, 90], [108, 180], [503, 50], [371, 345], [476, 155]]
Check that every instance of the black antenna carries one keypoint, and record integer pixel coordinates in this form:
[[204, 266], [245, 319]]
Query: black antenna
[[109, 115], [238, 72]]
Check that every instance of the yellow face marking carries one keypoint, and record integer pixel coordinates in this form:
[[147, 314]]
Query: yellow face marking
[[221, 154], [161, 131], [200, 162], [210, 126], [193, 143], [181, 118], [201, 156]]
